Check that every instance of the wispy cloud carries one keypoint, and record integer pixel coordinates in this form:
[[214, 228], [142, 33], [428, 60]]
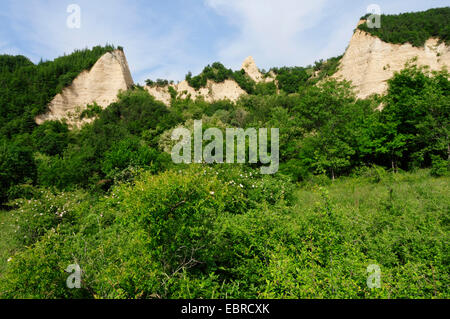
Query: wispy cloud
[[296, 32], [152, 47], [274, 32], [166, 39]]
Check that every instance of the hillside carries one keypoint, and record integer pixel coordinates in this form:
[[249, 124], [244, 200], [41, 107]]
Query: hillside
[[213, 84], [317, 248], [371, 59], [354, 185], [100, 84], [414, 28], [370, 62], [27, 89], [375, 54]]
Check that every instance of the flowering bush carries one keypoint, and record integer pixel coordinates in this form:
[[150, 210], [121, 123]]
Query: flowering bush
[[36, 216]]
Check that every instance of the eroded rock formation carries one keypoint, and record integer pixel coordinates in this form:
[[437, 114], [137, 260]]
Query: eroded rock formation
[[101, 84], [213, 91], [249, 66], [369, 62]]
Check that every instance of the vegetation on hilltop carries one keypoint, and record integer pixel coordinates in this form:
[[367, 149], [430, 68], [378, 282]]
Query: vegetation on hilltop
[[26, 88], [356, 186], [289, 79], [324, 129], [218, 73], [414, 28]]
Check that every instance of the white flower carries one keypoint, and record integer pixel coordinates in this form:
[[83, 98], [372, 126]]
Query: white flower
[[242, 186], [9, 259], [212, 193]]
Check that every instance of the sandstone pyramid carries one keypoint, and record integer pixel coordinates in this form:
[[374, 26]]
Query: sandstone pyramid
[[369, 62], [101, 84], [212, 92], [249, 66]]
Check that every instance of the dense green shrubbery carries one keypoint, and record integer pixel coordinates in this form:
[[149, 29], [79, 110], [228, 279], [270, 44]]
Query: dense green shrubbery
[[440, 167], [91, 111], [51, 137], [157, 83], [324, 129], [218, 73], [26, 89], [122, 136], [176, 235], [166, 224], [326, 68], [415, 28], [291, 79], [141, 227], [17, 165]]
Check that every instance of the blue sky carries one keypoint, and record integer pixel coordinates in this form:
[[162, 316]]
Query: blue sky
[[166, 39]]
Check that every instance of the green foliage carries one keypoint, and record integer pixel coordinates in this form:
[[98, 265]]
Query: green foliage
[[51, 138], [91, 111], [132, 152], [157, 83], [26, 89], [168, 219], [290, 79], [440, 166], [326, 68], [175, 235], [414, 123], [17, 165], [108, 146], [415, 28], [218, 73], [76, 167], [263, 88], [108, 197], [244, 81]]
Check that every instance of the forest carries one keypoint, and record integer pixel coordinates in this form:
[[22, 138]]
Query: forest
[[414, 28], [361, 182]]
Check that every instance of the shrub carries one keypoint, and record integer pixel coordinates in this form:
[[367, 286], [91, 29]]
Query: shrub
[[16, 166], [131, 152], [91, 111], [414, 27], [37, 216], [440, 167], [51, 137]]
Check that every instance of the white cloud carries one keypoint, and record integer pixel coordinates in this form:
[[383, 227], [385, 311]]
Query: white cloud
[[274, 32], [167, 39], [149, 46]]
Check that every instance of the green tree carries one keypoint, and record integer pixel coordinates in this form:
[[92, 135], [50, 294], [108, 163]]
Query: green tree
[[16, 166]]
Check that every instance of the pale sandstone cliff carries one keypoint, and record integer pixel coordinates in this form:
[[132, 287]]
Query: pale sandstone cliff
[[249, 66], [228, 89], [212, 92], [369, 62], [101, 84]]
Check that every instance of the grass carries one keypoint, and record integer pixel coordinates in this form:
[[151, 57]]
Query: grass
[[7, 246], [416, 190], [400, 222], [322, 246]]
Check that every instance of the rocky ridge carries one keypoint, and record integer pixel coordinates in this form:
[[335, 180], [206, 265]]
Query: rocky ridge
[[369, 62], [101, 84]]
